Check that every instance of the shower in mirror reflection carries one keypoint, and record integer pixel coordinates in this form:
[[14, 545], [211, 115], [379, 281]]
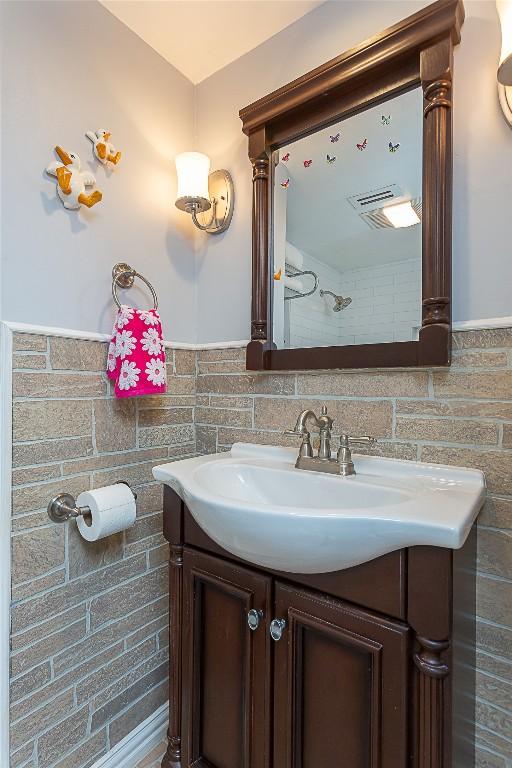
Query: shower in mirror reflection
[[340, 302], [347, 205]]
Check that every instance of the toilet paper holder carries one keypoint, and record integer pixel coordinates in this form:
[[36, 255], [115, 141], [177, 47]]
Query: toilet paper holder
[[63, 506]]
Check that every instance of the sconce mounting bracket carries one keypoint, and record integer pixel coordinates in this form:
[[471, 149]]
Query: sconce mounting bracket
[[222, 196], [505, 97]]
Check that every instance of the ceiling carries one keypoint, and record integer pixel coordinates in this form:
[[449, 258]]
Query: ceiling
[[198, 37], [319, 218]]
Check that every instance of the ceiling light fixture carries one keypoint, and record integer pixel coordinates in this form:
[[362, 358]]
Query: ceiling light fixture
[[401, 215], [199, 191]]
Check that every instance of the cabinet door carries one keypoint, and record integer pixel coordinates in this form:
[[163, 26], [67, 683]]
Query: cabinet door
[[340, 685], [226, 666]]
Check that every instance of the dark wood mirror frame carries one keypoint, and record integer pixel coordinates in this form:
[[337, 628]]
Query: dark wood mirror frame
[[416, 52]]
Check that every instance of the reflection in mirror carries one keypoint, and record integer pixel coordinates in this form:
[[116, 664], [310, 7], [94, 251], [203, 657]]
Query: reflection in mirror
[[347, 230]]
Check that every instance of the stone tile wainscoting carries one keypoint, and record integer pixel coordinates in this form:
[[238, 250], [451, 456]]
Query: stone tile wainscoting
[[89, 620], [460, 416]]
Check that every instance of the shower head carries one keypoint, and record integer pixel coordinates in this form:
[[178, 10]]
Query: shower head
[[340, 302]]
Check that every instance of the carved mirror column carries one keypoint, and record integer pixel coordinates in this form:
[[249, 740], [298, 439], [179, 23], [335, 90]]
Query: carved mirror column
[[260, 161], [436, 66]]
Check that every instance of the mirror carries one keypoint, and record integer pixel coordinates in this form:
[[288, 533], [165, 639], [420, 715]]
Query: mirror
[[347, 230], [342, 158]]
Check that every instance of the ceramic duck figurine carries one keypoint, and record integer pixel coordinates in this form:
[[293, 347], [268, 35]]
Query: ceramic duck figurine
[[102, 148], [72, 181]]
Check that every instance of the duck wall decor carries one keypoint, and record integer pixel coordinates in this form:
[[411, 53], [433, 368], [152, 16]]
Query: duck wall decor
[[104, 151], [72, 181]]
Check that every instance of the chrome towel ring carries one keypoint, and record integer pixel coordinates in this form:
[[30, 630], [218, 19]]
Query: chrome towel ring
[[299, 273], [123, 276]]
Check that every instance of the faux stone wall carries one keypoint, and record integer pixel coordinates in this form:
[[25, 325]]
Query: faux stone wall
[[89, 620], [460, 416], [89, 640]]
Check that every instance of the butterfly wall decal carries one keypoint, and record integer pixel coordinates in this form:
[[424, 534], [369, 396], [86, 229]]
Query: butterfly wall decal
[[285, 184], [286, 157], [307, 163], [362, 145], [393, 147], [385, 120], [335, 138], [330, 160]]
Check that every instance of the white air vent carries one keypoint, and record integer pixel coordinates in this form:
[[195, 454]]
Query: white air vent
[[376, 219], [368, 201]]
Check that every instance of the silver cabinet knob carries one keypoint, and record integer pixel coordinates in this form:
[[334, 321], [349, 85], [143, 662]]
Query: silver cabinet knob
[[276, 628], [253, 619]]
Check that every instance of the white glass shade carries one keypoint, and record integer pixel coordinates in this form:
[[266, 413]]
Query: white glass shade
[[193, 169], [505, 67], [401, 215]]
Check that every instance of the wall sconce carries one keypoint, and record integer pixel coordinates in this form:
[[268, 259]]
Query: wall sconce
[[199, 191], [505, 67]]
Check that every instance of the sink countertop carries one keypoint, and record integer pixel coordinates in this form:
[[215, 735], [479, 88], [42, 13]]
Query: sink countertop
[[254, 503]]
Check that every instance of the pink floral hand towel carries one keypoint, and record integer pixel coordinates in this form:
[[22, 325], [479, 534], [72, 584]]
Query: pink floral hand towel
[[136, 355]]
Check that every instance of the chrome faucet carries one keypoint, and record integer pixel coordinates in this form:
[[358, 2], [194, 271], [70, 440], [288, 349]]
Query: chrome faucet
[[323, 462]]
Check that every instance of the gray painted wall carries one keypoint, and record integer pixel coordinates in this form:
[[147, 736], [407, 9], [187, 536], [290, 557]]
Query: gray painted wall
[[69, 67], [81, 68], [482, 145]]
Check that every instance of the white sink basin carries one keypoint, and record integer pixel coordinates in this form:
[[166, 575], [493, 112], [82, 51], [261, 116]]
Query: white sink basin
[[254, 503]]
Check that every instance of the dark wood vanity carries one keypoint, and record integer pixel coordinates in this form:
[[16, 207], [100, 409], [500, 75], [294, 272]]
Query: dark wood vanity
[[373, 667]]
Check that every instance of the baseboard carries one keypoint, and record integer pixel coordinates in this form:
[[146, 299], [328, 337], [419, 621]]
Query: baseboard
[[138, 742], [71, 333]]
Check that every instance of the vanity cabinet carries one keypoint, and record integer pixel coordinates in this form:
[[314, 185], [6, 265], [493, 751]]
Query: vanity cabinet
[[340, 674], [334, 671], [225, 665], [370, 667]]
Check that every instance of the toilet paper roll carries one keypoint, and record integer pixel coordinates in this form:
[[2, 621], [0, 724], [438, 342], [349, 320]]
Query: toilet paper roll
[[112, 510]]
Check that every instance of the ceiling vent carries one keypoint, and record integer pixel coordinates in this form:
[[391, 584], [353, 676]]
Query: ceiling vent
[[377, 220], [368, 201]]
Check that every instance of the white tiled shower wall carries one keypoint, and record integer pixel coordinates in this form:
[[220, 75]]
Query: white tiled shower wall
[[385, 301]]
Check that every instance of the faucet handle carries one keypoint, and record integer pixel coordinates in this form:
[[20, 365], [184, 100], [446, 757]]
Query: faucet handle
[[362, 440], [305, 447], [346, 440]]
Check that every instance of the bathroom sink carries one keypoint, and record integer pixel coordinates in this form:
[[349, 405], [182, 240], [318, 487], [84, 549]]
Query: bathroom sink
[[254, 503]]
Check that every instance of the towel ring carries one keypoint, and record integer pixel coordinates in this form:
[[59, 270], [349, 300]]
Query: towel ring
[[299, 273], [124, 275]]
